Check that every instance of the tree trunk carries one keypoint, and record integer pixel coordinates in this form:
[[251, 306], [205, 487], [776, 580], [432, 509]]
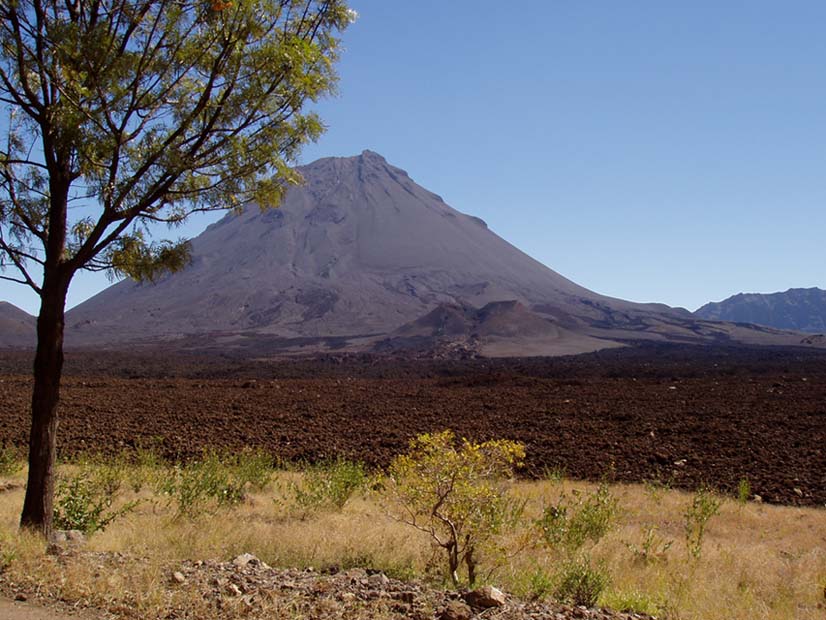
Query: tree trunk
[[48, 366]]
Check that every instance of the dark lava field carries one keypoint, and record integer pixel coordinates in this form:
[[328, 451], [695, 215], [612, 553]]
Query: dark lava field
[[681, 415]]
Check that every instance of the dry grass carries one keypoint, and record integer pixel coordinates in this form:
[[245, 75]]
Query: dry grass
[[758, 561]]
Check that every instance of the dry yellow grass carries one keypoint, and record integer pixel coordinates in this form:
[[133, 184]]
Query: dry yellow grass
[[758, 561]]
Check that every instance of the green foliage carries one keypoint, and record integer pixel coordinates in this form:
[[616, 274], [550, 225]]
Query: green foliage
[[540, 585], [704, 505], [328, 485], [215, 480], [652, 548], [631, 602], [153, 111], [146, 468], [456, 493], [577, 519], [85, 500], [122, 115], [743, 491], [253, 467], [580, 583], [10, 461]]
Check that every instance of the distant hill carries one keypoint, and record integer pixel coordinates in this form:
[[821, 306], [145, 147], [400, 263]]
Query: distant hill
[[17, 327], [800, 309]]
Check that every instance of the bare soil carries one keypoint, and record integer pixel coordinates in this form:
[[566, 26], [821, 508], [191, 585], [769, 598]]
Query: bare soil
[[682, 415], [21, 610]]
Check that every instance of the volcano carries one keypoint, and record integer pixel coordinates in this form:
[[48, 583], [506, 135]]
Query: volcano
[[17, 327], [356, 253]]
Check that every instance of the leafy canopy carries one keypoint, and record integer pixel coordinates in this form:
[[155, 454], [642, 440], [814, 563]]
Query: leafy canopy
[[117, 114], [455, 492]]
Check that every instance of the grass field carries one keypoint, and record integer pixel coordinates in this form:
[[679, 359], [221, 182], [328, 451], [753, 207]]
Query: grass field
[[754, 560]]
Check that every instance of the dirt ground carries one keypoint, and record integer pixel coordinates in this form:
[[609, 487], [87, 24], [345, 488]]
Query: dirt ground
[[684, 416], [17, 610]]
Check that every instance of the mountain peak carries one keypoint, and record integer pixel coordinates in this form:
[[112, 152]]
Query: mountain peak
[[802, 309], [367, 154]]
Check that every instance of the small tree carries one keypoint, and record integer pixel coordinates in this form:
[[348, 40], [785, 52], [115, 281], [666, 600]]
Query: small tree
[[455, 493], [119, 114], [704, 505]]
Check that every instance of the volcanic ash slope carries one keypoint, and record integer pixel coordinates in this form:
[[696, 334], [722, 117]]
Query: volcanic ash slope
[[361, 250]]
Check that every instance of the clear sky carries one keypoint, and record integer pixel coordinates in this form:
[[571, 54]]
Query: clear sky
[[654, 151]]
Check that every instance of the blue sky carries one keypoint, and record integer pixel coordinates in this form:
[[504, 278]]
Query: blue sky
[[654, 151]]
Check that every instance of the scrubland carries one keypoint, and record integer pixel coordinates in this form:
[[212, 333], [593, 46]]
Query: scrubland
[[753, 560]]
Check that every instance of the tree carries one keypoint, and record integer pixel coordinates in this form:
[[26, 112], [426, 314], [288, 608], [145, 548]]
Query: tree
[[122, 114], [455, 494]]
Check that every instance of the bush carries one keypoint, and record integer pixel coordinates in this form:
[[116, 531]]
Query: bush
[[328, 485], [540, 585], [84, 501], [574, 520], [455, 492], [580, 583], [743, 491], [704, 505], [220, 479], [631, 602]]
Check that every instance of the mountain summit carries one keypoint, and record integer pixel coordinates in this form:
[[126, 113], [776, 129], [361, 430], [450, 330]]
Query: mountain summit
[[357, 252]]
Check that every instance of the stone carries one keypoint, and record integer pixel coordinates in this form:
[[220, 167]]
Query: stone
[[378, 580], [485, 597], [234, 590], [456, 610], [178, 577], [246, 559]]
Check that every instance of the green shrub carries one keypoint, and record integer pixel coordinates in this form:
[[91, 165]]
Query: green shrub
[[580, 583], [743, 491], [456, 493], [328, 485], [540, 585], [84, 501], [704, 505], [217, 479], [572, 521], [147, 467], [631, 602]]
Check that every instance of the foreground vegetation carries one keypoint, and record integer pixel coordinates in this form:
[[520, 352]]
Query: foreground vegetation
[[631, 547]]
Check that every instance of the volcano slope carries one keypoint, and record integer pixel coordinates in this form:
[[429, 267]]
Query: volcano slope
[[357, 252], [17, 327], [682, 415]]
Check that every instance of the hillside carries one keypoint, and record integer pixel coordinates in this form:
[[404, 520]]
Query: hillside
[[17, 327], [801, 309]]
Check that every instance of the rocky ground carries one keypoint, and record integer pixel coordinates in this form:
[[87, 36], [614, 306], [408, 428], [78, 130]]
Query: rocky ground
[[248, 587], [684, 416]]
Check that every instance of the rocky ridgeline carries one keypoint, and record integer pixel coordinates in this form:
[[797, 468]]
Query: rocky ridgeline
[[357, 593]]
